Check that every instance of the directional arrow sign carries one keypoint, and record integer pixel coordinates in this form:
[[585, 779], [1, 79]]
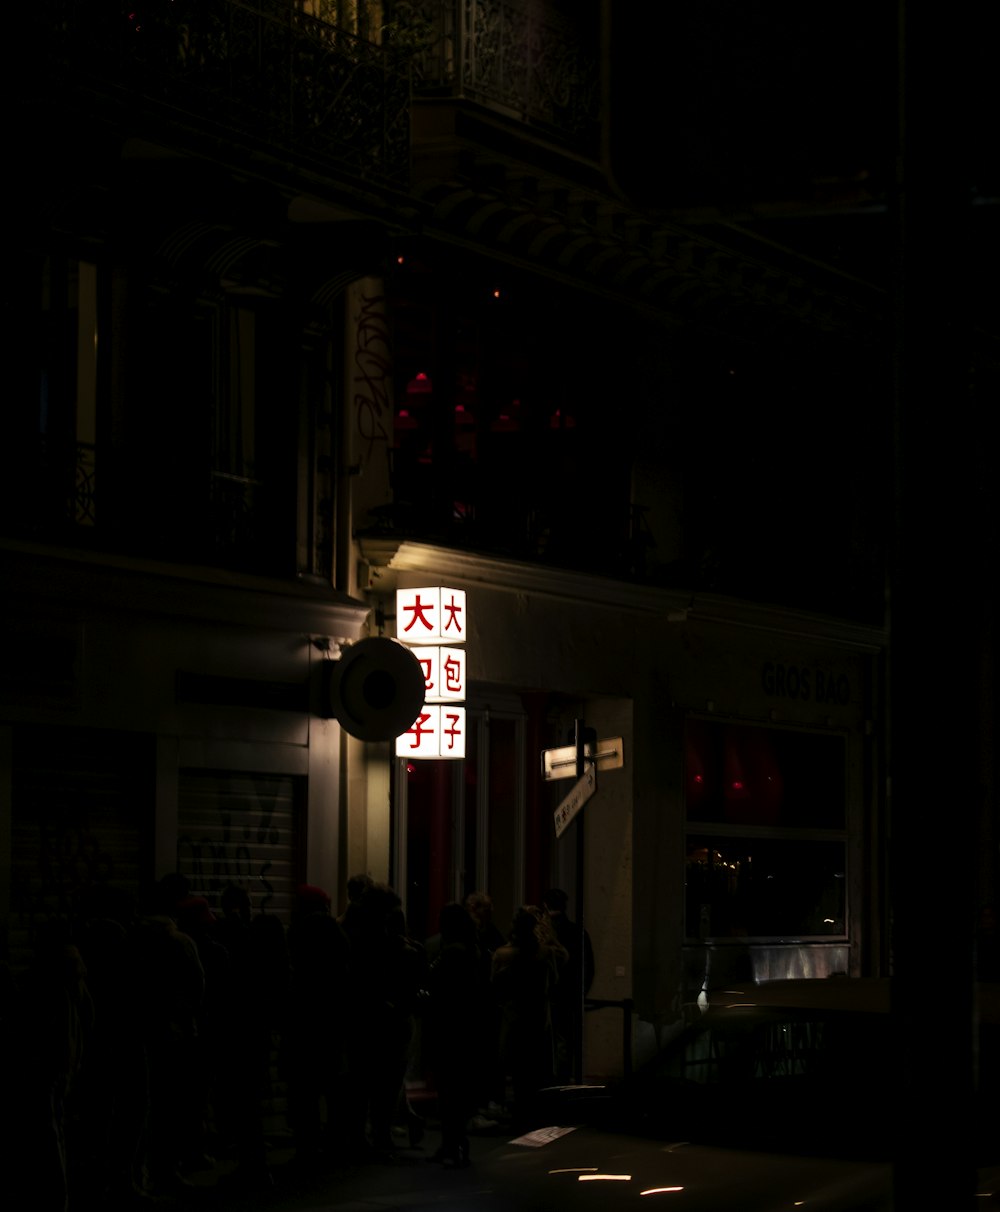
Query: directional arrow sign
[[582, 790], [608, 754]]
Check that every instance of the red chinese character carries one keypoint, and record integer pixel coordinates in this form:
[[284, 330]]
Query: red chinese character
[[452, 731], [418, 609], [452, 671], [427, 665], [417, 730], [453, 610]]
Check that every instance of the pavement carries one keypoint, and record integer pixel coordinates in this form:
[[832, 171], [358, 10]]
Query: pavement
[[405, 1180]]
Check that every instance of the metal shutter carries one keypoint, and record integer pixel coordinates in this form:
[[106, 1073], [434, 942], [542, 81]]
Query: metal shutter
[[240, 828]]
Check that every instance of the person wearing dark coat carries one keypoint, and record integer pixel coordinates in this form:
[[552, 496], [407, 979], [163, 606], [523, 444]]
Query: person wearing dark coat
[[525, 971], [314, 1036], [490, 1084], [52, 1021], [350, 919], [244, 1045], [195, 918], [113, 1090], [573, 986], [387, 976], [458, 1005], [169, 992]]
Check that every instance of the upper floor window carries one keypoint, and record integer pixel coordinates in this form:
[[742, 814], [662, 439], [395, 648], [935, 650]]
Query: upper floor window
[[50, 426], [213, 416], [505, 399]]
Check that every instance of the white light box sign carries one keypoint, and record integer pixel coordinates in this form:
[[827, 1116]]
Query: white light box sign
[[444, 673], [437, 732], [434, 615]]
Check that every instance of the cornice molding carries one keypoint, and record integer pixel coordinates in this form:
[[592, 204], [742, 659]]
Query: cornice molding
[[389, 557], [75, 581]]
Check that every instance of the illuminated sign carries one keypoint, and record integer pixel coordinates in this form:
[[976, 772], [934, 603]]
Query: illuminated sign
[[430, 620], [431, 616], [444, 673], [437, 732]]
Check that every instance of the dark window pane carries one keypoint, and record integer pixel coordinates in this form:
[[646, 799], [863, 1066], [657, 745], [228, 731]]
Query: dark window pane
[[764, 887], [764, 776]]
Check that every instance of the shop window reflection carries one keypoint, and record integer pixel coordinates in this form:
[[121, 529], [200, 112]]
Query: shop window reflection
[[767, 844], [765, 887]]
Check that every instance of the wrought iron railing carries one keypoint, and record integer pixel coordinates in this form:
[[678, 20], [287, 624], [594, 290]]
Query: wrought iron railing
[[531, 60], [268, 73], [262, 73], [51, 486]]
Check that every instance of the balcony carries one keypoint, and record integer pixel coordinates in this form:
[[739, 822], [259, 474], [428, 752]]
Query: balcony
[[529, 62], [265, 78]]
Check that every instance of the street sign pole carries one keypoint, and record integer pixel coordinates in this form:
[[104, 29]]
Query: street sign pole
[[580, 742], [586, 757]]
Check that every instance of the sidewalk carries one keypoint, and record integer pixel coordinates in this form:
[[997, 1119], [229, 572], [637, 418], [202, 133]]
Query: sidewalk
[[405, 1180]]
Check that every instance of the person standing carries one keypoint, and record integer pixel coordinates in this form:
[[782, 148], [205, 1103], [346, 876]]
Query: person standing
[[51, 1025], [490, 1084], [525, 971], [458, 1004], [573, 986], [315, 1027], [169, 995], [388, 973], [244, 1043]]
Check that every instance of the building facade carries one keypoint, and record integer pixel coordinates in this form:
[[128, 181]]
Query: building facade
[[320, 301]]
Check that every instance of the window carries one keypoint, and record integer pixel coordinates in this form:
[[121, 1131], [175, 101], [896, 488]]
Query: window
[[212, 432], [51, 429], [501, 404], [766, 845]]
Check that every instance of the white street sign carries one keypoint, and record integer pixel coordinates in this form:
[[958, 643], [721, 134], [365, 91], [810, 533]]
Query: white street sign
[[561, 763], [582, 790]]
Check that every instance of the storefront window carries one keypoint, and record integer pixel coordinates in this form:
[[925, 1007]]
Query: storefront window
[[766, 843], [744, 887]]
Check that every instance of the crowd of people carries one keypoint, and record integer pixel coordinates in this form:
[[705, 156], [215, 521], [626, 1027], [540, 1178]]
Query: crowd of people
[[143, 1039]]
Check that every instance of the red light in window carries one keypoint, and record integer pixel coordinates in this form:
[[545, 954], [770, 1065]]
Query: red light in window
[[737, 785], [410, 768], [419, 385], [698, 779]]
